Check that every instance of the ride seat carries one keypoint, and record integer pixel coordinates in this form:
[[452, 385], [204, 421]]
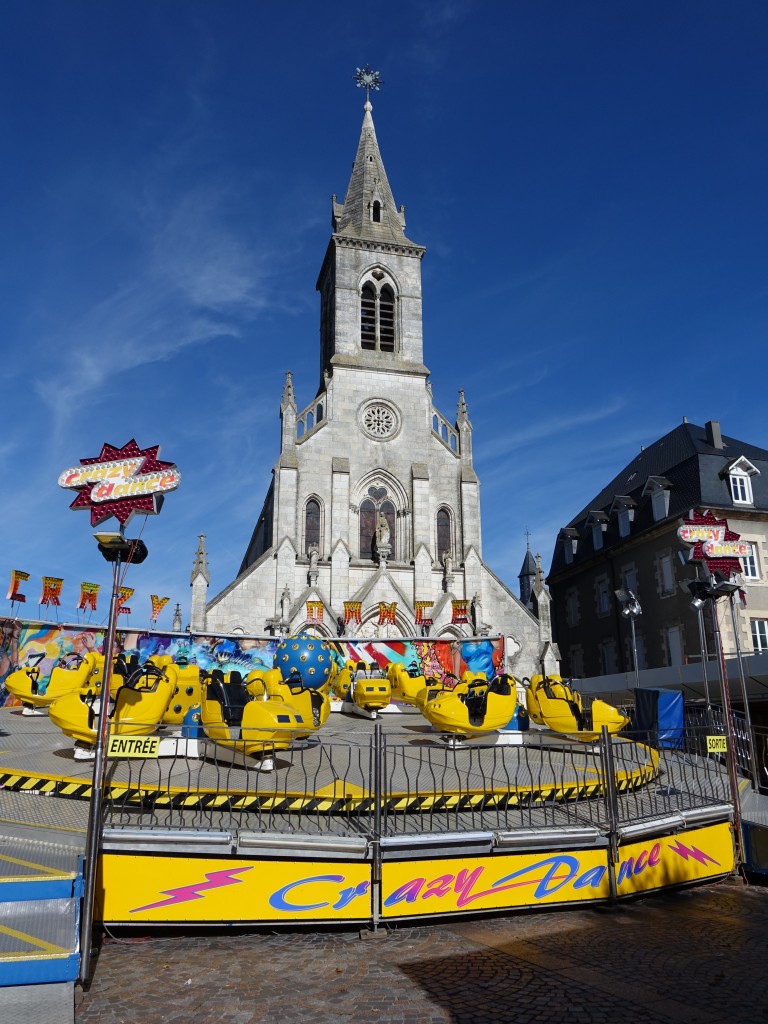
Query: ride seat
[[501, 686], [476, 706], [232, 696], [125, 666], [295, 682]]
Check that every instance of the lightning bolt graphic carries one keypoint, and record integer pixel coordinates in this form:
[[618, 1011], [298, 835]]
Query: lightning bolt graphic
[[694, 852], [184, 893]]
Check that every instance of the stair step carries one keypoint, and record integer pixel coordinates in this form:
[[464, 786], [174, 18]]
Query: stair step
[[38, 1004], [39, 941]]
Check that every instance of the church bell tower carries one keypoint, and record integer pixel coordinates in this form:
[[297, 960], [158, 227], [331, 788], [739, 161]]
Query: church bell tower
[[370, 281]]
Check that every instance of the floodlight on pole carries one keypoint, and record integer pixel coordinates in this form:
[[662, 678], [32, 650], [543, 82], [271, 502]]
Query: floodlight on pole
[[698, 591], [729, 588], [630, 609], [714, 588], [120, 483], [117, 549]]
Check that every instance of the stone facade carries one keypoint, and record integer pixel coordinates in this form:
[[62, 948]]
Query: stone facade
[[374, 495]]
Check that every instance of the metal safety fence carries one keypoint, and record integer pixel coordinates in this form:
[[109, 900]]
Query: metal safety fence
[[383, 786]]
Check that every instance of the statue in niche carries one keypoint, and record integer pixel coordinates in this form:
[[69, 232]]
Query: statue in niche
[[314, 556], [382, 531], [447, 572]]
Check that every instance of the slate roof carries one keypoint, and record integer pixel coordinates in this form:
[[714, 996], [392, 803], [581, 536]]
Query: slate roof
[[529, 564]]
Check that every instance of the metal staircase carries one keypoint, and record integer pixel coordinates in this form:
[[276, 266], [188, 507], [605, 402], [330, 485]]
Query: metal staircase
[[41, 886]]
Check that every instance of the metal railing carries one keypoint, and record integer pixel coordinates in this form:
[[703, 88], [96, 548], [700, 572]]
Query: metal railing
[[710, 721], [381, 788]]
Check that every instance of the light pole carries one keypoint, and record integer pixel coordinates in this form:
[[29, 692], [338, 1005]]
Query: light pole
[[714, 589], [732, 588], [698, 606], [118, 550], [630, 609]]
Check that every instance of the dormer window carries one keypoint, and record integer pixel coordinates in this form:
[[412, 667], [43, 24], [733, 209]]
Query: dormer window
[[376, 212], [598, 521], [624, 508], [740, 473], [659, 489], [570, 538], [660, 502], [377, 315], [741, 489]]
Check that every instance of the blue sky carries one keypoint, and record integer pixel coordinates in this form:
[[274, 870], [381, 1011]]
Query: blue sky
[[589, 180]]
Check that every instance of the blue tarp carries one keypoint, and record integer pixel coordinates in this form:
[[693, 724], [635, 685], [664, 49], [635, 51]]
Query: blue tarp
[[658, 718]]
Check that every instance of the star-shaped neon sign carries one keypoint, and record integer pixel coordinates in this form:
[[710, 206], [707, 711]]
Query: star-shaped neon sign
[[120, 482], [700, 530]]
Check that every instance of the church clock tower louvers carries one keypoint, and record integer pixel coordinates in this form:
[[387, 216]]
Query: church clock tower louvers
[[374, 497]]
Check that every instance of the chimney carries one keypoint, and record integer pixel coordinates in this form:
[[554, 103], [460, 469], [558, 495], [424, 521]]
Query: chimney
[[714, 437]]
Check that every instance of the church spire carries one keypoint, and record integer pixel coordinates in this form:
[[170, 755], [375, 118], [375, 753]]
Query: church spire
[[200, 567], [369, 211], [527, 574], [288, 395], [288, 424]]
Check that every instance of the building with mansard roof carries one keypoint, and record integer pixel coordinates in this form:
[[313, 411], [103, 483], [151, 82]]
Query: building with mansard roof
[[626, 538], [374, 497]]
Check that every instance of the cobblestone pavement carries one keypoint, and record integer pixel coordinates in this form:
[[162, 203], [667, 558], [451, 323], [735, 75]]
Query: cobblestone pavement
[[694, 956]]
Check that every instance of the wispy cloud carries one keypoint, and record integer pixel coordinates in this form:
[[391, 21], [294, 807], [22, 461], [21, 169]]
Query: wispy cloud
[[548, 426], [200, 282]]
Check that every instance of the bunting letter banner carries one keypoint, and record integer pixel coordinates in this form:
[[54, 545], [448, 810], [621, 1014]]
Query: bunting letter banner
[[89, 596], [422, 608], [314, 611], [352, 610], [387, 613], [158, 603], [123, 595], [51, 593], [17, 578], [460, 613]]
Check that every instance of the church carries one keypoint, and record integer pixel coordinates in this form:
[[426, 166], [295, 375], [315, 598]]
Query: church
[[371, 525]]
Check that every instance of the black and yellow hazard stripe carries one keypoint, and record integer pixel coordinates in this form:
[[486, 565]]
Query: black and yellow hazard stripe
[[359, 802], [51, 785]]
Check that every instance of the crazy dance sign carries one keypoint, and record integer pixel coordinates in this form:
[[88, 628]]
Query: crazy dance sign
[[120, 482], [166, 889], [714, 543]]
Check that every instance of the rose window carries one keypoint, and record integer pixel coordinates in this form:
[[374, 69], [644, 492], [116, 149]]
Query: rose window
[[379, 420]]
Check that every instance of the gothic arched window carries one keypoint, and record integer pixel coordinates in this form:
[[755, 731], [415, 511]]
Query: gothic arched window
[[387, 509], [377, 505], [367, 528], [311, 525], [378, 321], [376, 212], [444, 534], [387, 319], [368, 316]]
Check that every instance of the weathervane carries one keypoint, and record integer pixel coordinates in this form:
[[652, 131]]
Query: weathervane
[[367, 79]]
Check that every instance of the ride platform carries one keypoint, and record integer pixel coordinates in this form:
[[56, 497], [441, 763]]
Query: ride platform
[[373, 822]]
